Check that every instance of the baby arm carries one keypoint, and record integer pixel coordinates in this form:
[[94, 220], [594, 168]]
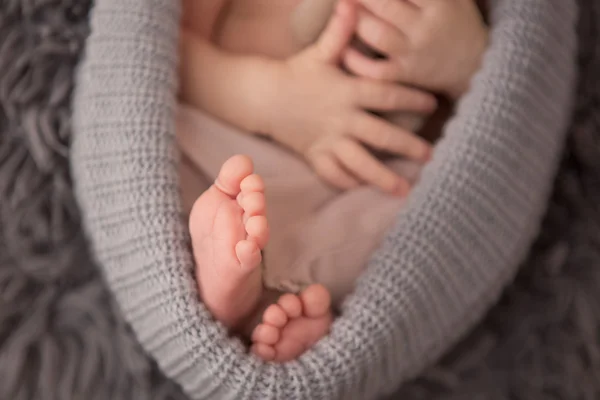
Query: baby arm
[[232, 88], [435, 45], [308, 104], [236, 89]]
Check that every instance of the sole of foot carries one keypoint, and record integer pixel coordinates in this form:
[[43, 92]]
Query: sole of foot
[[293, 325], [229, 228]]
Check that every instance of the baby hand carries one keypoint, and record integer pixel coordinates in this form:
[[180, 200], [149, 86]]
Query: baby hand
[[433, 44], [324, 114]]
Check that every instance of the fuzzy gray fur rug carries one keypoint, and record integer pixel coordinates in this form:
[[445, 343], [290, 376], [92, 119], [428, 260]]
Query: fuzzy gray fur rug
[[62, 337]]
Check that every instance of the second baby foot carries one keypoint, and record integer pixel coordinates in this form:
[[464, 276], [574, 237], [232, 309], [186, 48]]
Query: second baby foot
[[229, 229], [293, 325]]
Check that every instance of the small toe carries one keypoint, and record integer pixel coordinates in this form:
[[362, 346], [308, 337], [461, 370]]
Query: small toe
[[248, 254], [232, 173], [265, 334], [257, 229], [275, 316], [291, 304], [254, 204], [264, 351], [252, 183]]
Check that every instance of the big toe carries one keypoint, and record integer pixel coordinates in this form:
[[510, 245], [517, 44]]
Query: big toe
[[316, 301], [232, 173]]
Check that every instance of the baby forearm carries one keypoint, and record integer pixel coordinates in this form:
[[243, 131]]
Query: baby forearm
[[234, 88]]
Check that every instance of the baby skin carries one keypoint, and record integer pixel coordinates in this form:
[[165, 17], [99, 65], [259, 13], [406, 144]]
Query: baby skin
[[228, 223], [229, 229]]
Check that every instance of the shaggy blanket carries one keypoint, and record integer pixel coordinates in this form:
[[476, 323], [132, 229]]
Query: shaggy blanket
[[62, 336]]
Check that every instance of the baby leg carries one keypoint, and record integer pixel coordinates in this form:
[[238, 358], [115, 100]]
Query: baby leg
[[229, 229]]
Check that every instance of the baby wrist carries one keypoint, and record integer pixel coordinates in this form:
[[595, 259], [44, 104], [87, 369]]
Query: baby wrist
[[263, 96]]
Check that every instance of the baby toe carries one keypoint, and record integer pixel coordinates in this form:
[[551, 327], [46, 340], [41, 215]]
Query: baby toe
[[275, 316], [291, 304], [265, 334], [257, 229], [264, 351], [248, 254], [316, 301], [252, 183], [254, 204], [233, 172]]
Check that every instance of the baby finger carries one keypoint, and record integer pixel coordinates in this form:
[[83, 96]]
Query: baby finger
[[384, 96], [327, 167], [356, 159], [367, 67], [383, 135], [380, 36]]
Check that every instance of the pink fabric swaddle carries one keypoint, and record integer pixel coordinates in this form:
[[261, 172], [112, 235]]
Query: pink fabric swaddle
[[318, 234]]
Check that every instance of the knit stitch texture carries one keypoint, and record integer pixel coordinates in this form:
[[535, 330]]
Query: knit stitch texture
[[468, 224]]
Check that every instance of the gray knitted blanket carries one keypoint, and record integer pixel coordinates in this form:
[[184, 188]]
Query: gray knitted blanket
[[468, 227]]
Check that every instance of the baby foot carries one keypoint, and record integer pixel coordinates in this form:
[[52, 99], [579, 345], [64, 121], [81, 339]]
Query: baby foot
[[229, 228], [293, 325]]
